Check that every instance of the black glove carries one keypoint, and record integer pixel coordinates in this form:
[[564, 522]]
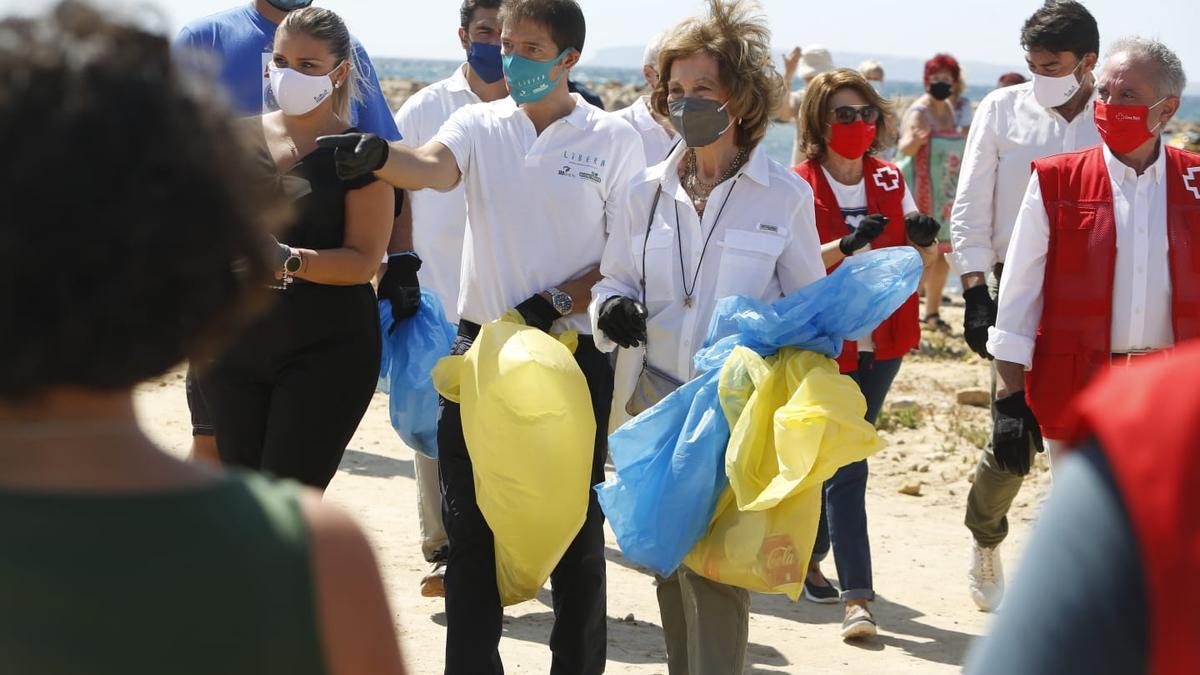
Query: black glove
[[623, 320], [868, 229], [356, 154], [979, 317], [1013, 431], [922, 230], [538, 312], [400, 286]]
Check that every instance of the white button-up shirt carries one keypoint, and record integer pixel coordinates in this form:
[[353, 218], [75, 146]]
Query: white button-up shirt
[[656, 141], [439, 218], [1141, 296], [764, 245], [1010, 130], [538, 206]]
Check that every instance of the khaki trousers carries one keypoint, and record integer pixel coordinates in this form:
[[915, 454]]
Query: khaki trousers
[[429, 507], [706, 624]]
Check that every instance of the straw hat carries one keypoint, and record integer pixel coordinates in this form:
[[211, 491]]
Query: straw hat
[[814, 60]]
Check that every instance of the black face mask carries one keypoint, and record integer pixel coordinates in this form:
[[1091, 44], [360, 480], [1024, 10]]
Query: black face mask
[[941, 90], [699, 121]]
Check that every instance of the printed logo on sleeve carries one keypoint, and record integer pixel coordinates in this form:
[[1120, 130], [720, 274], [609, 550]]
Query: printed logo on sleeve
[[887, 178], [1191, 181]]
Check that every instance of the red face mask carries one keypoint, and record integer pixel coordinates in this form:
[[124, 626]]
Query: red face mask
[[1123, 127], [852, 140]]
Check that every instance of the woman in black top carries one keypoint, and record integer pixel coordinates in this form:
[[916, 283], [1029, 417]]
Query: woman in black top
[[288, 396]]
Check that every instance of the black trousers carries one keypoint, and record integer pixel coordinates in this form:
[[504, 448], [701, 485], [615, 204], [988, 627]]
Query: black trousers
[[288, 395], [473, 612]]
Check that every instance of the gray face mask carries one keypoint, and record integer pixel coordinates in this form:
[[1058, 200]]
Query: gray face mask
[[699, 121]]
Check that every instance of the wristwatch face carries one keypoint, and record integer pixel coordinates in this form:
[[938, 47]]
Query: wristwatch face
[[562, 302], [292, 264]]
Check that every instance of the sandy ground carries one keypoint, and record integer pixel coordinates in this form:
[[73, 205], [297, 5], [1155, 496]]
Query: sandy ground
[[919, 545]]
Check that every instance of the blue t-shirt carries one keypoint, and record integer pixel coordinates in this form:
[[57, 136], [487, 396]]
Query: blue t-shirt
[[243, 39]]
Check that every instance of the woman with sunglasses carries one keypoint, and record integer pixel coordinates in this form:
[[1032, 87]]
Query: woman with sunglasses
[[933, 139], [861, 202]]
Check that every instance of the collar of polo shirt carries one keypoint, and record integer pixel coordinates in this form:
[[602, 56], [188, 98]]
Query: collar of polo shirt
[[577, 117], [1120, 172]]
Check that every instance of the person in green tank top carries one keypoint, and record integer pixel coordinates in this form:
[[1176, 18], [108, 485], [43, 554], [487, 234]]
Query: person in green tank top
[[132, 238]]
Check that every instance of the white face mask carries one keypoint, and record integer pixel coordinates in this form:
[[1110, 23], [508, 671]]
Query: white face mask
[[297, 93], [1052, 92]]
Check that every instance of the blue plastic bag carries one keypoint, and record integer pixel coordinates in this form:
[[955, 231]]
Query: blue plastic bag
[[411, 348], [670, 460]]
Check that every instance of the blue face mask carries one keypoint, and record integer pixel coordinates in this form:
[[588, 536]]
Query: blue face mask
[[529, 81], [289, 5], [485, 61]]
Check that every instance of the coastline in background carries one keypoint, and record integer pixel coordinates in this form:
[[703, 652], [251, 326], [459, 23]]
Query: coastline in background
[[621, 82]]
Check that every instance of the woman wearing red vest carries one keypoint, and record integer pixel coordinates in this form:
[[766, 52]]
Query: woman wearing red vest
[[860, 201]]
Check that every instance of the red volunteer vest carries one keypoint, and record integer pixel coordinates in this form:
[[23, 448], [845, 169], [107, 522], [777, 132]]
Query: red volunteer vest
[[1145, 419], [1073, 340], [901, 332]]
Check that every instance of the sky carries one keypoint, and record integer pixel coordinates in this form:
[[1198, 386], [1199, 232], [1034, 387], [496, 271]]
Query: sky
[[972, 30]]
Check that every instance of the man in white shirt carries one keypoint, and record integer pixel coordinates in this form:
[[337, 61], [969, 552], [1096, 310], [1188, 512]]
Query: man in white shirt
[[1101, 269], [658, 136], [1012, 128], [539, 171], [431, 225]]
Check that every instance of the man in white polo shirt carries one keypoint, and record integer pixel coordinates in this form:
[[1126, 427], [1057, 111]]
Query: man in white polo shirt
[[1013, 127], [538, 169], [658, 136], [432, 224]]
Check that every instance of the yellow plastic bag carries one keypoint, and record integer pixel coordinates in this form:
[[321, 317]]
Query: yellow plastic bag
[[794, 421], [530, 431]]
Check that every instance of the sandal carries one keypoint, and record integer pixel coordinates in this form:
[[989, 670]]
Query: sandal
[[935, 322]]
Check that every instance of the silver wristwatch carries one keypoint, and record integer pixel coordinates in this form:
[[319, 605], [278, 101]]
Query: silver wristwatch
[[561, 301]]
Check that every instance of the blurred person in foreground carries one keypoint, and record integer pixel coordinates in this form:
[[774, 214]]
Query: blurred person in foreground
[[115, 557], [236, 46], [861, 203], [716, 218], [931, 144], [1124, 516], [1014, 127]]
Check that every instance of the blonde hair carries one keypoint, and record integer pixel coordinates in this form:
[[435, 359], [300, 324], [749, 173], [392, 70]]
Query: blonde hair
[[328, 27], [735, 34], [815, 113]]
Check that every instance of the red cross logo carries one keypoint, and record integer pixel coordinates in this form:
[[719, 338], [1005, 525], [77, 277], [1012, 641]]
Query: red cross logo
[[1191, 181], [887, 178]]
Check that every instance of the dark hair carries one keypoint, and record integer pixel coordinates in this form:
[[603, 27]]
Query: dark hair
[[466, 13], [126, 204], [1062, 26], [563, 18]]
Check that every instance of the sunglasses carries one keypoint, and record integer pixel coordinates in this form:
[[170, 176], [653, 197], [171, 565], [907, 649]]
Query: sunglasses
[[846, 114]]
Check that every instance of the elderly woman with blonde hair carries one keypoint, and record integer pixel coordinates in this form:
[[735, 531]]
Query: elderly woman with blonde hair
[[717, 218]]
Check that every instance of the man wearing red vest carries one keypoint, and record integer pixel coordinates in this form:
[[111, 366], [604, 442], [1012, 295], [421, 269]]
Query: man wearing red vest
[[1102, 268]]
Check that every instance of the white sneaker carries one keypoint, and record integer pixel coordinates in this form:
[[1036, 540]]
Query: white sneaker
[[986, 578]]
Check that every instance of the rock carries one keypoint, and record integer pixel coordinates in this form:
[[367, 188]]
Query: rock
[[924, 468], [979, 398], [900, 442], [629, 619], [912, 489], [903, 404]]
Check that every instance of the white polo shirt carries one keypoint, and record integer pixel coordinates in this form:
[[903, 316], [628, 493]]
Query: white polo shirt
[[764, 245], [1010, 130], [538, 206], [439, 218], [656, 141]]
